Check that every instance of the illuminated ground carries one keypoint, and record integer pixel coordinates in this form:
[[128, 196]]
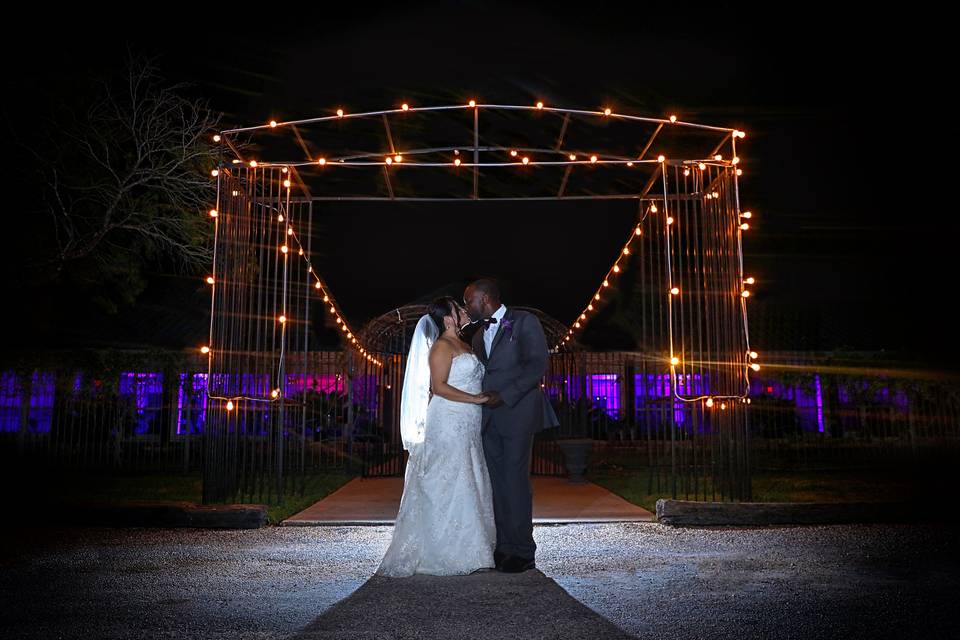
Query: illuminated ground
[[869, 581]]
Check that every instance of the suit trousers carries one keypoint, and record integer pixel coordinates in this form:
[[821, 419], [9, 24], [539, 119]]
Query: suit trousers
[[508, 453]]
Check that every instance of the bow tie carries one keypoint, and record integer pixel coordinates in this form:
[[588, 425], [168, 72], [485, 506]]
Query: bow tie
[[487, 322]]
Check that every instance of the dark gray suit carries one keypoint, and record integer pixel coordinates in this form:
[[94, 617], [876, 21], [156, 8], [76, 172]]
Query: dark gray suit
[[515, 368]]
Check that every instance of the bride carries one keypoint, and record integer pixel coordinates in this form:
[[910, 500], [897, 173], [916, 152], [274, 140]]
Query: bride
[[445, 525]]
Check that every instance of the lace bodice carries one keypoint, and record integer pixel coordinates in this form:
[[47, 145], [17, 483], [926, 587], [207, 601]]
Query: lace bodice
[[466, 372]]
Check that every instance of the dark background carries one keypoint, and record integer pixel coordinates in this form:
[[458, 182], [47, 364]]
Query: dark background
[[848, 157]]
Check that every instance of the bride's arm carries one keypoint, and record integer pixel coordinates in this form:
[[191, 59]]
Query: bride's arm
[[441, 359]]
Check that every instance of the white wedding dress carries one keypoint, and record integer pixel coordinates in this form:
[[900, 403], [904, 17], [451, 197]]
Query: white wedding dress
[[445, 525]]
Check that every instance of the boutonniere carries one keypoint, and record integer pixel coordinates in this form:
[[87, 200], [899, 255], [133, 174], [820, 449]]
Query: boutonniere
[[507, 325]]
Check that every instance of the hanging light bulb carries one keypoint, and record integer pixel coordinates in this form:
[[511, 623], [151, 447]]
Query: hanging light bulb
[[473, 103], [539, 105], [661, 158], [405, 106], [215, 173], [286, 183], [745, 293], [637, 231], [674, 360], [216, 138], [754, 354], [589, 307], [607, 111], [325, 298], [583, 316], [398, 158], [675, 291], [673, 118], [213, 213], [596, 296], [253, 163], [718, 157], [322, 161], [339, 113], [204, 349], [735, 160], [209, 279], [746, 214], [616, 268], [750, 280], [709, 402], [389, 160], [629, 163], [701, 166], [606, 283], [626, 251], [229, 405], [282, 319], [526, 160], [456, 162], [317, 286], [577, 324], [669, 219], [755, 366], [744, 226], [686, 172], [723, 405], [593, 158], [653, 208], [740, 173], [572, 157], [273, 123], [274, 393], [284, 249]]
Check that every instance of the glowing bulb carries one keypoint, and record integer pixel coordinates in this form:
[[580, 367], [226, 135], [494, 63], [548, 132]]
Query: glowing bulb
[[746, 214], [745, 226], [675, 291], [629, 163], [745, 293], [755, 366], [456, 162], [273, 123], [589, 307], [513, 152], [539, 105], [723, 405], [229, 405], [526, 160], [389, 160], [282, 319], [740, 173], [286, 183], [473, 103], [300, 252], [669, 219], [274, 393], [349, 335], [213, 213], [209, 279], [572, 157], [235, 161], [754, 354], [398, 158], [353, 340], [215, 173], [339, 113], [280, 218], [253, 163], [333, 309], [661, 158], [339, 320], [686, 172], [216, 138], [626, 251], [606, 283], [715, 194], [743, 134], [405, 106], [583, 316], [344, 327], [284, 248], [616, 268], [673, 118], [284, 170], [701, 166], [637, 231], [736, 133], [317, 286], [735, 160], [204, 349], [750, 280], [718, 157], [322, 161], [709, 402], [325, 298], [653, 208], [576, 324], [674, 360], [607, 111], [596, 296]]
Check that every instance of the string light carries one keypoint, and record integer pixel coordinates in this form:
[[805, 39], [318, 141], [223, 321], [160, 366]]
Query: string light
[[456, 162], [745, 293], [473, 103], [572, 157], [674, 360], [701, 166], [709, 402], [750, 280], [539, 105], [216, 138], [746, 214], [526, 160], [273, 123], [675, 291], [322, 161], [213, 213], [339, 113], [513, 153], [661, 158], [744, 226], [607, 111], [673, 118], [753, 355], [209, 279], [204, 349], [282, 319], [215, 173], [593, 158], [253, 163], [229, 405], [398, 158], [755, 366], [405, 106]]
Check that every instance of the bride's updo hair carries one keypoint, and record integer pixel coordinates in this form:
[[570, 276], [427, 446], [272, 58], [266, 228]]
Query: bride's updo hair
[[440, 307]]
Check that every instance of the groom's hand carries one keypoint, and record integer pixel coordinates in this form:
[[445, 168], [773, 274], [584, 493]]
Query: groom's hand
[[494, 399]]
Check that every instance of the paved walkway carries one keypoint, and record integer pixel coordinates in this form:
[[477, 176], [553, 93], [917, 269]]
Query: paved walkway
[[376, 501]]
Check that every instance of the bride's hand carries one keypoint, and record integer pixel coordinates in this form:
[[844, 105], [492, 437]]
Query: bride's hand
[[481, 398]]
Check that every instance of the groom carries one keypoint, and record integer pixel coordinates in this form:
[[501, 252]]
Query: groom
[[511, 345]]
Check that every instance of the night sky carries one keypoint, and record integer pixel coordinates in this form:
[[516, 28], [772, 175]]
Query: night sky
[[848, 153]]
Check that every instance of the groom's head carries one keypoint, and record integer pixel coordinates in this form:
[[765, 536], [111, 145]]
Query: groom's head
[[482, 298]]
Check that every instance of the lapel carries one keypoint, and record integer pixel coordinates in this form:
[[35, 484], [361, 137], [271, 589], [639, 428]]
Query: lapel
[[499, 335], [478, 347]]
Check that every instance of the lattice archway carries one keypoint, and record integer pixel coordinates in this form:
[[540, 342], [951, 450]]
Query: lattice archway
[[685, 249]]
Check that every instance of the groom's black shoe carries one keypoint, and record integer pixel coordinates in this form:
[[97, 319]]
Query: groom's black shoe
[[516, 564], [499, 557]]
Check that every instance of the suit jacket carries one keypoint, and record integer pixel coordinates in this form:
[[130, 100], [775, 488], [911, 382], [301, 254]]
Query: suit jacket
[[515, 369]]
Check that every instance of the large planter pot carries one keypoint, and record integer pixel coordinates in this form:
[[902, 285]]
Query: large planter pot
[[576, 455]]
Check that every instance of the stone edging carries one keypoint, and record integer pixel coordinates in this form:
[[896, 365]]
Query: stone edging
[[689, 512]]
